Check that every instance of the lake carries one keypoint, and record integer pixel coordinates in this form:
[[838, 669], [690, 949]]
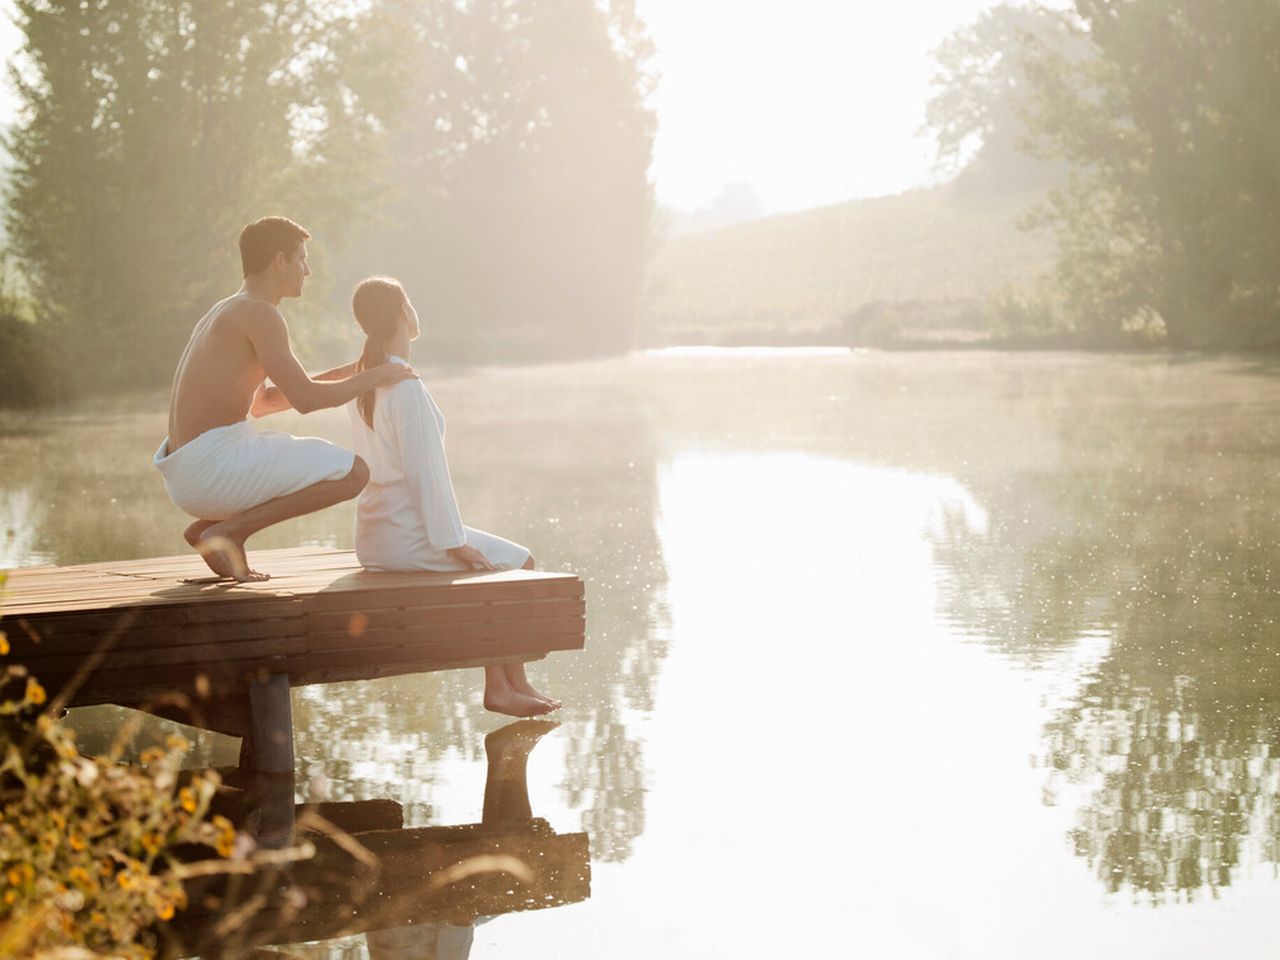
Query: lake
[[935, 655]]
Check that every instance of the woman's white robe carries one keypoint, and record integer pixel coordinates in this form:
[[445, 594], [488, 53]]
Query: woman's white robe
[[407, 517]]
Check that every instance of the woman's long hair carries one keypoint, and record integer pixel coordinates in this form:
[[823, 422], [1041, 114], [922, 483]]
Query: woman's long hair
[[378, 304]]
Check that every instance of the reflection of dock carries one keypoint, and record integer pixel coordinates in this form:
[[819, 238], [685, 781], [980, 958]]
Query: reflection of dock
[[399, 878]]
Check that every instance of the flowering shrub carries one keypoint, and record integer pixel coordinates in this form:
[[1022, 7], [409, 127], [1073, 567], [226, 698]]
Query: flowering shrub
[[87, 845]]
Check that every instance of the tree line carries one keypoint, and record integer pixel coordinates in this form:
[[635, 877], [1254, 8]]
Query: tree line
[[1156, 125], [492, 154]]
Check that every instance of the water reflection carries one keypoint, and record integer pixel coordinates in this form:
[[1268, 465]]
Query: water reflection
[[1157, 532], [413, 893], [924, 570], [1173, 799]]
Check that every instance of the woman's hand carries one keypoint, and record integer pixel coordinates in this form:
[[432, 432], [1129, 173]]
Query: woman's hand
[[471, 558]]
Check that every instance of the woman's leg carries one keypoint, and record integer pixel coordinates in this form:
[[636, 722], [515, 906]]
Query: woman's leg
[[515, 671], [501, 697]]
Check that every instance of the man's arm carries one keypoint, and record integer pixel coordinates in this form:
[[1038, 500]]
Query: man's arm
[[271, 399], [269, 336]]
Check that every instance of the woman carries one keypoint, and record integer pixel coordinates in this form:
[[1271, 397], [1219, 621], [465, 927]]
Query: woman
[[407, 517]]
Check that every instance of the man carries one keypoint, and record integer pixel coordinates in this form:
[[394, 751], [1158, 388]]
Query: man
[[236, 480]]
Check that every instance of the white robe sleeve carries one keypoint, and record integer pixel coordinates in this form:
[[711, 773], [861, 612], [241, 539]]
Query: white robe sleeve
[[426, 471]]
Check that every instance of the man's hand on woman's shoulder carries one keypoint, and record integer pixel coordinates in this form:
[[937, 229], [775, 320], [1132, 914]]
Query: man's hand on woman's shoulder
[[389, 374]]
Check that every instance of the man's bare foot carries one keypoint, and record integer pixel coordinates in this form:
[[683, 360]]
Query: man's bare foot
[[514, 704], [520, 684], [225, 555], [193, 533]]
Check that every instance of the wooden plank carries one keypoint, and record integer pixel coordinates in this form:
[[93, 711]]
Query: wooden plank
[[165, 637], [64, 621], [187, 651], [389, 595], [452, 633], [381, 619]]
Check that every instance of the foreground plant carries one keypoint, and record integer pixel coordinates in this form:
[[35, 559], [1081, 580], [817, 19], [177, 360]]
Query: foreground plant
[[87, 844]]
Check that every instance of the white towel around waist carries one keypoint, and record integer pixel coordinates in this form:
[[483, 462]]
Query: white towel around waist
[[229, 469]]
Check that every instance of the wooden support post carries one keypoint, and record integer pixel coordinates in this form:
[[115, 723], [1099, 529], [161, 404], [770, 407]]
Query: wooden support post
[[268, 753]]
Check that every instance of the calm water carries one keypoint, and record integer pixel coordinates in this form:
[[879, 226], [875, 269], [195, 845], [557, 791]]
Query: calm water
[[888, 656]]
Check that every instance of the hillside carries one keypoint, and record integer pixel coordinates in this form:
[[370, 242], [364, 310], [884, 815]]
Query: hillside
[[784, 276]]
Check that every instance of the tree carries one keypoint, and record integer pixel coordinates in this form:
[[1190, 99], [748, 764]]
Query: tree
[[151, 131], [519, 207], [977, 113], [1171, 215]]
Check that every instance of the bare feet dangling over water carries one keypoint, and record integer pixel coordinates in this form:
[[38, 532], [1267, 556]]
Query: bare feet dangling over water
[[222, 551], [501, 695], [520, 684]]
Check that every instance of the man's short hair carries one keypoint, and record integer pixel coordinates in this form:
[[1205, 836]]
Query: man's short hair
[[261, 240]]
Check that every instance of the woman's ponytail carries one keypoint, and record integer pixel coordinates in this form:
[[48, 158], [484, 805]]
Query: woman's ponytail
[[378, 304]]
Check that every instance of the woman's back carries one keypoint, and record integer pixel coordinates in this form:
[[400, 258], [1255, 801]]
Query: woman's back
[[407, 517]]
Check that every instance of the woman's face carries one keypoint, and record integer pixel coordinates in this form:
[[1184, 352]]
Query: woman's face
[[411, 319]]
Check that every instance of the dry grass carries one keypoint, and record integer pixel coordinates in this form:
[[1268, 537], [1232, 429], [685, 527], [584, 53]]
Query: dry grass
[[807, 271]]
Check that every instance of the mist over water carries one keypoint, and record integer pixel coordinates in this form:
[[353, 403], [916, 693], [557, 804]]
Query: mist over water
[[914, 656]]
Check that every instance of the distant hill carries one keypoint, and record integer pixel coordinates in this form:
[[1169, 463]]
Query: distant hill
[[784, 276]]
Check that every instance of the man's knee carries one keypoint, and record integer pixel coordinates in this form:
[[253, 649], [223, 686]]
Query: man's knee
[[529, 564], [357, 477]]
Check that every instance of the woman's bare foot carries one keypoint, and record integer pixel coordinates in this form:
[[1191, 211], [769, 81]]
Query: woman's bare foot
[[514, 704], [520, 684], [223, 551]]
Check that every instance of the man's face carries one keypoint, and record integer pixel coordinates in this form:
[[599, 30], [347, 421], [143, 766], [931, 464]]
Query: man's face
[[295, 272]]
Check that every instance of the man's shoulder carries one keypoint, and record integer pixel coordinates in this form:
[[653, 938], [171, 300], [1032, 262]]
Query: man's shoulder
[[248, 310]]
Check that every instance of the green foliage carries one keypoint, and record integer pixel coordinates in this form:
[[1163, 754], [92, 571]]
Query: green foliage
[[154, 129], [1171, 212], [492, 154], [518, 211], [977, 115], [26, 356]]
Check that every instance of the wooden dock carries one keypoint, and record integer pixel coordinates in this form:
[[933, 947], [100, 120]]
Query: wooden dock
[[226, 654]]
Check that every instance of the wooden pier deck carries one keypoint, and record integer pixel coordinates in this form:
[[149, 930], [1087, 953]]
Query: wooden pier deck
[[133, 633]]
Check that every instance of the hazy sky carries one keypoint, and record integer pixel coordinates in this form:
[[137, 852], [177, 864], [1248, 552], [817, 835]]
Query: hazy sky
[[808, 101]]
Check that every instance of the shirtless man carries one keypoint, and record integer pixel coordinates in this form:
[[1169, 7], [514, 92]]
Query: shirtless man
[[234, 479]]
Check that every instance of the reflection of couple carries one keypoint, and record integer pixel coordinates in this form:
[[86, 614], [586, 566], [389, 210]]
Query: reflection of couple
[[236, 480]]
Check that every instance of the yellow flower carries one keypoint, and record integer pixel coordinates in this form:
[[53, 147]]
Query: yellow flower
[[175, 742], [165, 911], [35, 692], [14, 876], [125, 879], [76, 842], [152, 755], [10, 895], [58, 819], [79, 876], [152, 842], [4, 644], [187, 799]]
